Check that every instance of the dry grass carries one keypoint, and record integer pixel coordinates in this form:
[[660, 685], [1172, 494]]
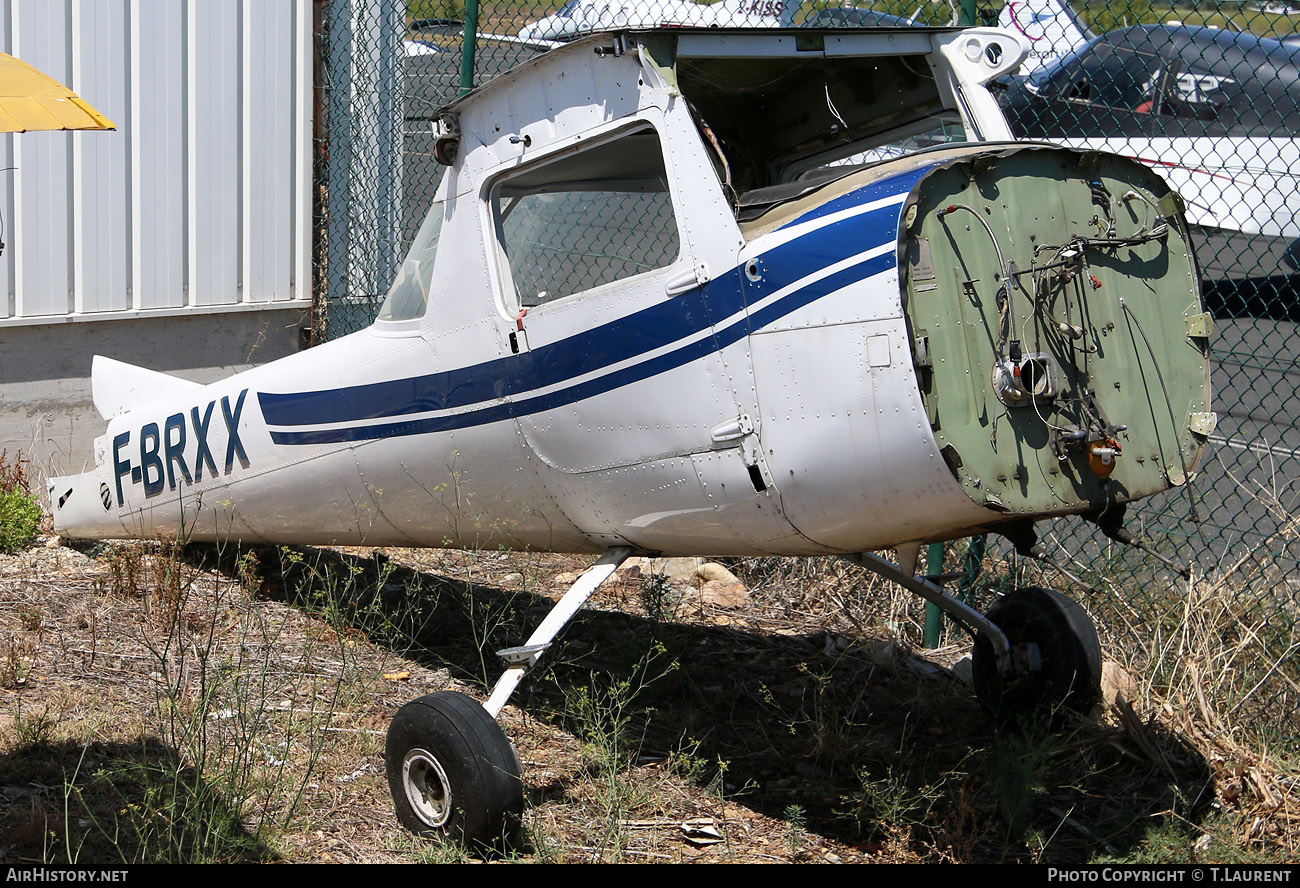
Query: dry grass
[[171, 704]]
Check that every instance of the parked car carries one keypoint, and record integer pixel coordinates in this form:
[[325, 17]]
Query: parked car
[[1214, 111]]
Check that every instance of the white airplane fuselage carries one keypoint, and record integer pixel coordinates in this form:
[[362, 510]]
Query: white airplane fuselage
[[633, 430], [760, 388]]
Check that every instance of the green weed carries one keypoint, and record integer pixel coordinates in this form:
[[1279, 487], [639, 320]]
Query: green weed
[[657, 597], [20, 510], [32, 731], [15, 662], [796, 821], [892, 804], [30, 617], [610, 723], [1016, 773]]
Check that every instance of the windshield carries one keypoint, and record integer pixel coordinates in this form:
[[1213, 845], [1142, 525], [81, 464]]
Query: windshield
[[409, 294], [1039, 79]]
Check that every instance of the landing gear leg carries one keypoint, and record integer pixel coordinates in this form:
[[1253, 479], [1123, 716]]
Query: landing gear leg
[[451, 769], [928, 588], [1035, 649]]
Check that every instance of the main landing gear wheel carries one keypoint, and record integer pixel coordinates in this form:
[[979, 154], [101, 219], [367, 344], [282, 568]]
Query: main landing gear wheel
[[1055, 652], [452, 772]]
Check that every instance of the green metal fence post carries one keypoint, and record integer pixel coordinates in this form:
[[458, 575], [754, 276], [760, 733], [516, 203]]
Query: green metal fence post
[[933, 616], [467, 47], [972, 564]]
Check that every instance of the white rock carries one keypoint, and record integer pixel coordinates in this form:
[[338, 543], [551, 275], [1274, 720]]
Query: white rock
[[720, 594], [711, 570], [1117, 684], [962, 670], [680, 569]]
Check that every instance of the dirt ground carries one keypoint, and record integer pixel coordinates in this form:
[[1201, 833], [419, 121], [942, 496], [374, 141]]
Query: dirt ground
[[160, 704]]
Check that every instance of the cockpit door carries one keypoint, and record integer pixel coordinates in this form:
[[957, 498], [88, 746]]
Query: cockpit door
[[627, 322]]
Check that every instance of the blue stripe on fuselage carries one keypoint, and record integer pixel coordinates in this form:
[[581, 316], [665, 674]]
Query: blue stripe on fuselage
[[543, 366], [592, 350], [610, 381]]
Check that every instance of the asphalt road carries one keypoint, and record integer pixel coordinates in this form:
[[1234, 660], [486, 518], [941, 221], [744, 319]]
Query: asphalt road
[[1251, 483], [1246, 489]]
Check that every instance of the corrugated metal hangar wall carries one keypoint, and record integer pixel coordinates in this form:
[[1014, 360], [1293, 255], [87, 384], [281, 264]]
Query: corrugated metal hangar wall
[[181, 241]]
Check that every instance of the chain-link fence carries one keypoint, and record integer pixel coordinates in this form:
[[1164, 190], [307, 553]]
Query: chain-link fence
[[1207, 93]]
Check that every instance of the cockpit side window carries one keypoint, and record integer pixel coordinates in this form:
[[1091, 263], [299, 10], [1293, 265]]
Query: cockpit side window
[[408, 297], [1197, 94], [587, 218]]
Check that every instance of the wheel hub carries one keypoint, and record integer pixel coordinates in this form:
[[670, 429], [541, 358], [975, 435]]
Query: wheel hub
[[1026, 659], [427, 788]]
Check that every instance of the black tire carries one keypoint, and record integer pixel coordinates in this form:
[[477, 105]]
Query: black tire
[[1070, 675], [452, 771]]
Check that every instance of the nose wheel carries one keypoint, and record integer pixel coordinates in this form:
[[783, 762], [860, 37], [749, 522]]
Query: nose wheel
[[1055, 661], [452, 772]]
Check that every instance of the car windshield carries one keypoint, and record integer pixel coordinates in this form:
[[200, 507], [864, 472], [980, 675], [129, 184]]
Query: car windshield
[[1039, 79], [1242, 83]]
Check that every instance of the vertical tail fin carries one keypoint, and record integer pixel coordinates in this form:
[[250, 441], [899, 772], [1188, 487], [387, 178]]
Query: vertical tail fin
[[1051, 26]]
